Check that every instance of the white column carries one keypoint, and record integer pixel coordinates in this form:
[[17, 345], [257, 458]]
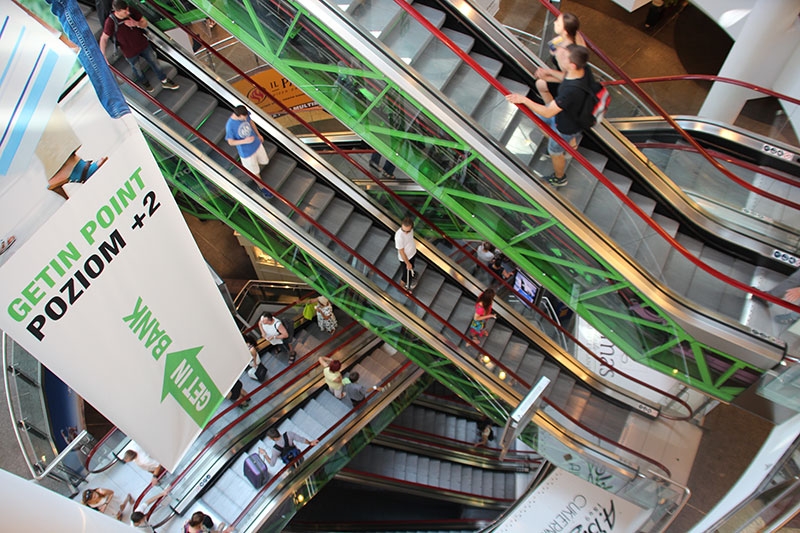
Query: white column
[[769, 37]]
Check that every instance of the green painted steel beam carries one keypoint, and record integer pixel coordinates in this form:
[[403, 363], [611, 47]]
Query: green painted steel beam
[[379, 112]]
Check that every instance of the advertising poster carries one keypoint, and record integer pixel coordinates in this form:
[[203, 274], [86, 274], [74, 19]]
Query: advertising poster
[[565, 503], [102, 281], [284, 91], [619, 361]]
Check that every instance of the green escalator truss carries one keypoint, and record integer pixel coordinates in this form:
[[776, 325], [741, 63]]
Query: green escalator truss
[[197, 193], [459, 178]]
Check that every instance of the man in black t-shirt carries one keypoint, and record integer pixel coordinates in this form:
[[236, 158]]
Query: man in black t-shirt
[[563, 113]]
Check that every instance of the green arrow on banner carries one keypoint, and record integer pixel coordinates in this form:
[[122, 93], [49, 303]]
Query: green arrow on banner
[[189, 383]]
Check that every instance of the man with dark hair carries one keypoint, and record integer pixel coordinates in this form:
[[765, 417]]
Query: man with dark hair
[[126, 25], [566, 113], [285, 446], [355, 390], [139, 521], [406, 250], [241, 132]]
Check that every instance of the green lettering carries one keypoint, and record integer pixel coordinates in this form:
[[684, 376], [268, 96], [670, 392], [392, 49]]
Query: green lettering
[[143, 326], [137, 313], [88, 230], [32, 293], [163, 344]]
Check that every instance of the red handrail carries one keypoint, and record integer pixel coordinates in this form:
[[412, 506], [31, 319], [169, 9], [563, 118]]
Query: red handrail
[[178, 477], [464, 249], [96, 447], [591, 168], [435, 488], [738, 162], [606, 439], [704, 77], [385, 383], [484, 452]]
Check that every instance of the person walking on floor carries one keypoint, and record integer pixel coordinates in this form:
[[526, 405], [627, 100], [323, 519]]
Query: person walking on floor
[[406, 250], [126, 25], [567, 113]]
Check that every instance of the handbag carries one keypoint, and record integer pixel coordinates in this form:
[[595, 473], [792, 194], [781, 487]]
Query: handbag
[[309, 311]]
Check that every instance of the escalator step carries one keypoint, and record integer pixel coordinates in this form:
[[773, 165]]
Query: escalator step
[[678, 270], [295, 189], [438, 64], [466, 88], [408, 38], [495, 114]]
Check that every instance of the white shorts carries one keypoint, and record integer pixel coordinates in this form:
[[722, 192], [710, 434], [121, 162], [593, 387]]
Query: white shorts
[[254, 162]]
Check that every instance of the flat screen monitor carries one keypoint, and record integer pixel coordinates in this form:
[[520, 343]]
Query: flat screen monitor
[[527, 288]]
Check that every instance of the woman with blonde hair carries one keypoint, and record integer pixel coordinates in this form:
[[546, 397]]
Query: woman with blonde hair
[[325, 318]]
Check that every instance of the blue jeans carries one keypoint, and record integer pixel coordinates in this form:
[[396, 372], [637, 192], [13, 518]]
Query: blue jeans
[[553, 148], [77, 29], [150, 58]]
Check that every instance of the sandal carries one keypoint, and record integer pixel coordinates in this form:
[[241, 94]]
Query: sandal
[[80, 173], [5, 244]]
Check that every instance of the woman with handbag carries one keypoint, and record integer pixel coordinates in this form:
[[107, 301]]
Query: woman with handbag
[[483, 312], [325, 317]]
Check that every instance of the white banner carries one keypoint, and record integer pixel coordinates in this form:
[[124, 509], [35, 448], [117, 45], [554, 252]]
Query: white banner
[[619, 361], [107, 288], [565, 503]]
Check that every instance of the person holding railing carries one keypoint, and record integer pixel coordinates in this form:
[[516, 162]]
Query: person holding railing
[[789, 290], [126, 25], [564, 113]]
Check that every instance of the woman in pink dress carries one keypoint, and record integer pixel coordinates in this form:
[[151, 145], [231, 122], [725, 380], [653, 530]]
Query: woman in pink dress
[[483, 312]]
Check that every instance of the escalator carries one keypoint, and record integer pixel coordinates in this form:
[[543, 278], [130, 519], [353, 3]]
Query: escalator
[[319, 224], [432, 477], [755, 208], [431, 452], [444, 123]]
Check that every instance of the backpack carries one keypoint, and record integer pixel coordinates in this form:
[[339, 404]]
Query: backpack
[[289, 452], [113, 38], [289, 325], [595, 106]]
